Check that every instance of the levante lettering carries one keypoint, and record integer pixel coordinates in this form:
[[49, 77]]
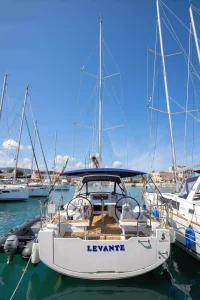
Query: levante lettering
[[108, 248]]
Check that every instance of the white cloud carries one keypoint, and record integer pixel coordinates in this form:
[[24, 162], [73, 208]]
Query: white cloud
[[2, 155], [117, 164], [29, 147], [61, 159], [7, 163], [80, 165], [11, 144], [26, 163]]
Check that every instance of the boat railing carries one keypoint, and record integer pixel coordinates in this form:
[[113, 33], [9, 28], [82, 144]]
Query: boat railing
[[102, 236], [165, 213]]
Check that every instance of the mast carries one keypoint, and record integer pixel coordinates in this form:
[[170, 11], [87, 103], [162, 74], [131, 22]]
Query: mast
[[20, 133], [3, 93], [47, 173], [195, 33], [167, 95], [100, 92], [54, 165], [33, 147]]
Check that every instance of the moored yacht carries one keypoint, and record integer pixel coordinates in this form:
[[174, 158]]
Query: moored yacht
[[185, 214], [103, 233], [11, 192], [63, 186], [38, 189]]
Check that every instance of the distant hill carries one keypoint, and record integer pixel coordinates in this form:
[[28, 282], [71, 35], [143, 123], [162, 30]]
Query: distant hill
[[26, 171]]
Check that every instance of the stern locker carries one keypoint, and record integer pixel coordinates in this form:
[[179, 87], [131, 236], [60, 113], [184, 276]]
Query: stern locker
[[72, 254]]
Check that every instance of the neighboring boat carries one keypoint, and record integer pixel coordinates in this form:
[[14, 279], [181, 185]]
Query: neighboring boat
[[15, 192], [102, 233], [38, 189], [63, 186], [185, 204], [185, 214]]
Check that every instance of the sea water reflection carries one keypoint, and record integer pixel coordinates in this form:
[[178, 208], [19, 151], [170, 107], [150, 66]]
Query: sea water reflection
[[179, 278]]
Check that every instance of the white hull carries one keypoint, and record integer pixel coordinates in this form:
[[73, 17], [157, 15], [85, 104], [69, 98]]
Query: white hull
[[179, 223], [13, 193], [140, 255], [41, 191], [61, 187]]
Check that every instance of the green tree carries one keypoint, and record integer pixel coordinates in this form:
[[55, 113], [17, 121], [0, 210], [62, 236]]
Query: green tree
[[18, 173]]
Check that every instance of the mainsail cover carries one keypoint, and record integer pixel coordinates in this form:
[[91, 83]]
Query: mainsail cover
[[188, 186]]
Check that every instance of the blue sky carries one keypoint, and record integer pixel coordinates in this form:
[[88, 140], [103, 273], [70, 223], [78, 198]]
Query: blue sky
[[46, 43]]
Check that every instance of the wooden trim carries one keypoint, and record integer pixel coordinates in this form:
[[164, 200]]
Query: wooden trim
[[192, 222]]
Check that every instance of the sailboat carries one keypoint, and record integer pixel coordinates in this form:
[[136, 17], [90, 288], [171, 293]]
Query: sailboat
[[184, 204], [42, 188], [13, 192], [101, 233]]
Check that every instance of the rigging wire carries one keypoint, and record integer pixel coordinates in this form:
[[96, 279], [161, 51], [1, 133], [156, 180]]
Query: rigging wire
[[95, 135], [156, 133], [184, 110], [197, 24], [79, 91], [106, 89], [177, 39], [32, 145], [176, 16], [187, 98], [89, 145], [111, 142], [195, 95], [94, 139], [74, 146], [193, 135], [155, 23], [194, 100], [122, 93], [152, 99], [188, 61], [87, 61], [109, 152], [87, 103], [127, 149], [34, 121], [122, 112], [32, 156], [196, 9], [121, 86], [7, 113]]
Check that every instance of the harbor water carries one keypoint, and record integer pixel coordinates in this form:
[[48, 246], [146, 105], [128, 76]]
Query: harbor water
[[178, 278]]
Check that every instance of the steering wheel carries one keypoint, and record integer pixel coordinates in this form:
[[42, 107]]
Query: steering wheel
[[129, 208], [81, 204]]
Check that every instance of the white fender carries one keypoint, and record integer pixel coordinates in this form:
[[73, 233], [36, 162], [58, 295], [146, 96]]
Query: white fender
[[35, 257], [172, 235]]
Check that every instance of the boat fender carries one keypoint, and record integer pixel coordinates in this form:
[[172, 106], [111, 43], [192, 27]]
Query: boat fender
[[189, 237], [35, 257], [155, 212], [26, 253], [10, 246]]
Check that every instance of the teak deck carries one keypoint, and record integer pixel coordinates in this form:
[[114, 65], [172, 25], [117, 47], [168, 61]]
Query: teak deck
[[98, 226]]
